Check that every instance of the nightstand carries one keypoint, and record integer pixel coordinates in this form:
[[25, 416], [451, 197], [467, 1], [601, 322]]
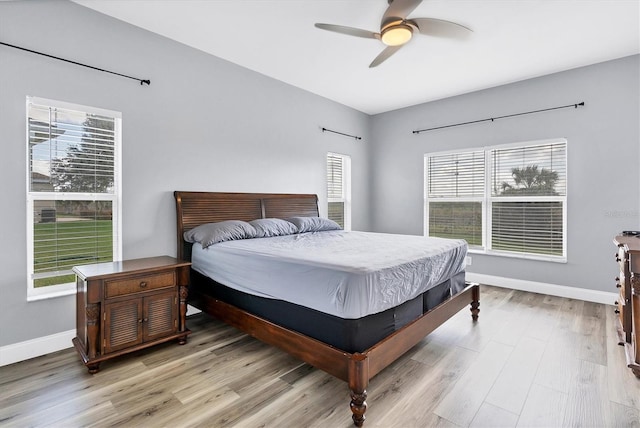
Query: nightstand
[[125, 306]]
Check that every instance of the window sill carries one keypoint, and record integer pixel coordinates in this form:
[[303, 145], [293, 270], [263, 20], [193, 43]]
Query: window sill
[[542, 258], [33, 295]]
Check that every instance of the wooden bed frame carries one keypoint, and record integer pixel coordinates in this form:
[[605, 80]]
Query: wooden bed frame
[[195, 208]]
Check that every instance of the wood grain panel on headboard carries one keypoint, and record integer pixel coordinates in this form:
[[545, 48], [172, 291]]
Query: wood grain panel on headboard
[[196, 208], [290, 207]]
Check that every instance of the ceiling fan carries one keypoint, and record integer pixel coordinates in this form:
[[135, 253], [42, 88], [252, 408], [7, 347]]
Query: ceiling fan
[[396, 29]]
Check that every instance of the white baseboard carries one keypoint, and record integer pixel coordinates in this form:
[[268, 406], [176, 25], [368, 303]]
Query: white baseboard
[[21, 351], [587, 295]]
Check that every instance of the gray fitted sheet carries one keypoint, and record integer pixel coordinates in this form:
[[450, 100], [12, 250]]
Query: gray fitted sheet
[[346, 274]]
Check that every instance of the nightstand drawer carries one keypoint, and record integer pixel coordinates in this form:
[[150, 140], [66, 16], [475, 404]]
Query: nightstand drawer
[[139, 284]]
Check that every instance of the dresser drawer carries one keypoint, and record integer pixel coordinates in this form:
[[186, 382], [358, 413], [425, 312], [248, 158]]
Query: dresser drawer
[[622, 260], [121, 287], [621, 283], [622, 308], [634, 262]]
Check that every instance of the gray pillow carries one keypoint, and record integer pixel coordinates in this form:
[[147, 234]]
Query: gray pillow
[[314, 224], [266, 227], [210, 233]]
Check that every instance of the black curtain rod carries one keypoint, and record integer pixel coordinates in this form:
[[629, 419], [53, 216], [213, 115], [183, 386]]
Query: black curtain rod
[[346, 135], [142, 81], [498, 117]]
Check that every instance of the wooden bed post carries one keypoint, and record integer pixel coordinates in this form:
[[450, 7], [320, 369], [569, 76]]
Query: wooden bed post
[[475, 302], [358, 382]]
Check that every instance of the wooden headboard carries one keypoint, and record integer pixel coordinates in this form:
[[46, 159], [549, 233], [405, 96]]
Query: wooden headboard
[[196, 208]]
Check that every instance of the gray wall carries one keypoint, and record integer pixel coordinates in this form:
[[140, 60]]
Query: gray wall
[[603, 152], [203, 124]]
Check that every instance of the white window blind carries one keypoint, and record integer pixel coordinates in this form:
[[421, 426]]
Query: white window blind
[[455, 185], [528, 198], [73, 190], [504, 199], [456, 175], [335, 189], [339, 189]]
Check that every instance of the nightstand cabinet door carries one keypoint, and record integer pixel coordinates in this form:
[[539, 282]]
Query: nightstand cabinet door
[[160, 315], [135, 321], [123, 322]]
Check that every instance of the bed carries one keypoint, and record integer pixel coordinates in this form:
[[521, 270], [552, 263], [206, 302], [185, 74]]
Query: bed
[[351, 341]]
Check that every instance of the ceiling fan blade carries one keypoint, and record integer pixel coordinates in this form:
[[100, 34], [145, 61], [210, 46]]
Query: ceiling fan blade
[[398, 10], [440, 28], [349, 31], [384, 55]]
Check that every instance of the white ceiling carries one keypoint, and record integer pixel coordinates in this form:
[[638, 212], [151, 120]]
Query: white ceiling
[[512, 40]]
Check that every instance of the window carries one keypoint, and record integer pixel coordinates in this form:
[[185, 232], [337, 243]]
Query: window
[[507, 200], [339, 189], [73, 192], [455, 195]]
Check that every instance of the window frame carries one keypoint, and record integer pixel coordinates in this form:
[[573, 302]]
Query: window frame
[[345, 187], [488, 200], [50, 291]]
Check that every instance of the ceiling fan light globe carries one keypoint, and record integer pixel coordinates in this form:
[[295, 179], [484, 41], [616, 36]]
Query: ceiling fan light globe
[[396, 35]]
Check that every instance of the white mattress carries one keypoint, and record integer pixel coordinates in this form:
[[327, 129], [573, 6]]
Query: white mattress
[[346, 274]]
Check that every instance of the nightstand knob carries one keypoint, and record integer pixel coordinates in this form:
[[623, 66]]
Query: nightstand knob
[[143, 284], [140, 321]]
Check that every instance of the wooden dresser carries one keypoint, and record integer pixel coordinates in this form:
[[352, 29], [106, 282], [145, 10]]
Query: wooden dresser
[[129, 305], [628, 303]]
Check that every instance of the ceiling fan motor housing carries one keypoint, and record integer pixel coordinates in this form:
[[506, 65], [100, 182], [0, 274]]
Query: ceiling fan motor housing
[[396, 34]]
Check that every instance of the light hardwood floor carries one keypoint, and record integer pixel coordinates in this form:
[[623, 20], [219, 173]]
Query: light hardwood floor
[[530, 361]]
